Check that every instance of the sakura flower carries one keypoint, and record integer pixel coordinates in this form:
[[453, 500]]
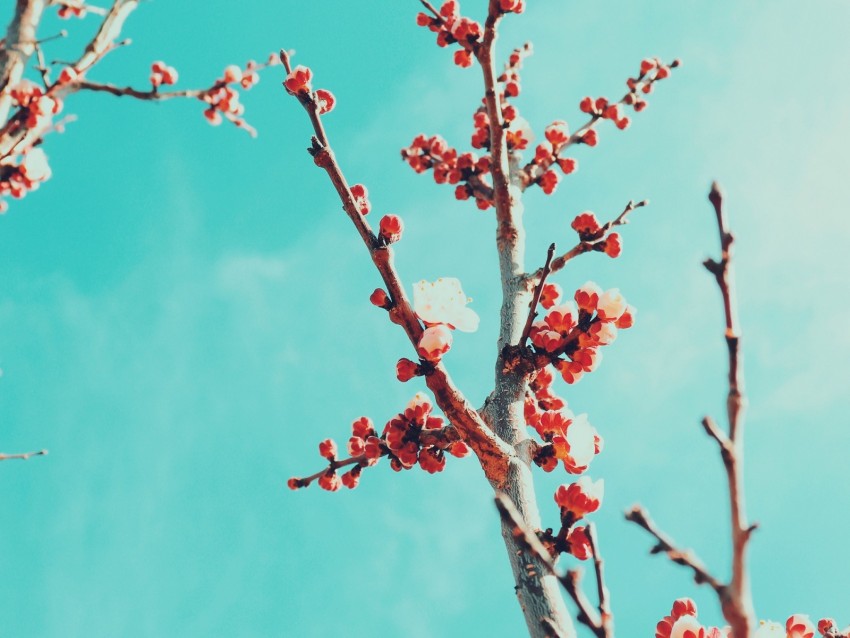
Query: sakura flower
[[443, 301], [435, 342]]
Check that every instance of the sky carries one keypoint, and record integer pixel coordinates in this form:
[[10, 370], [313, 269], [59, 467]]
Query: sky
[[184, 315]]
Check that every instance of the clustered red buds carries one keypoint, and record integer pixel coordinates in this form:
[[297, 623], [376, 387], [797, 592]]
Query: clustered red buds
[[682, 623], [412, 437], [577, 330], [19, 179], [222, 98], [468, 172], [298, 83], [37, 107], [452, 28], [161, 74]]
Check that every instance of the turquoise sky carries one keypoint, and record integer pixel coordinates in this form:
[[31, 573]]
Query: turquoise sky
[[184, 315]]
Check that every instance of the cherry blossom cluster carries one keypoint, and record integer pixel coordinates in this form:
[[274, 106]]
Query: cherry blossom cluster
[[222, 98], [682, 623], [577, 329], [575, 501], [412, 437], [299, 83], [467, 171], [18, 179], [590, 230], [452, 28], [540, 169]]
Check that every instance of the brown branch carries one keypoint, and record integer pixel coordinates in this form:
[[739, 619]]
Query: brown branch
[[538, 290], [151, 94], [605, 615], [588, 246], [23, 457], [735, 598], [665, 545], [737, 606], [492, 452], [569, 581]]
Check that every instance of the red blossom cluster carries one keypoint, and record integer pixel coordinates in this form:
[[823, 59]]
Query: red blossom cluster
[[162, 74], [222, 98], [412, 437], [18, 179], [452, 28], [298, 82], [682, 623], [37, 105], [590, 230], [578, 329], [575, 501], [539, 170], [467, 171]]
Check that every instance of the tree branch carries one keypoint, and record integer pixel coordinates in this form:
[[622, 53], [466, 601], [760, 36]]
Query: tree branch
[[19, 45], [569, 581], [665, 545], [587, 246], [492, 452]]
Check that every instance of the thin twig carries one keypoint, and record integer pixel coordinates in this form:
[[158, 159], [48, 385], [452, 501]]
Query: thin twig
[[665, 545], [538, 290], [604, 596], [587, 246], [23, 457]]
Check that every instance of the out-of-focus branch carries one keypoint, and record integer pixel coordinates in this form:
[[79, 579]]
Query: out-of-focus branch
[[665, 545], [23, 457], [492, 452], [109, 31], [17, 48], [606, 618], [738, 605], [570, 581], [588, 246], [735, 598]]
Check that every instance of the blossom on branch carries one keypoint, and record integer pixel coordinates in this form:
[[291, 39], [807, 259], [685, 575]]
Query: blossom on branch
[[443, 301]]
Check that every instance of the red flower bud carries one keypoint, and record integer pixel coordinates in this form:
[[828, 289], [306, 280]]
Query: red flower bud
[[391, 228], [405, 370]]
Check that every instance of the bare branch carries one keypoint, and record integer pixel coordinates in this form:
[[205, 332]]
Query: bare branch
[[605, 615], [665, 545], [538, 290]]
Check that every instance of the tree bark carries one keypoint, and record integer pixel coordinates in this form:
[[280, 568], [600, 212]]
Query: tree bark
[[19, 46]]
